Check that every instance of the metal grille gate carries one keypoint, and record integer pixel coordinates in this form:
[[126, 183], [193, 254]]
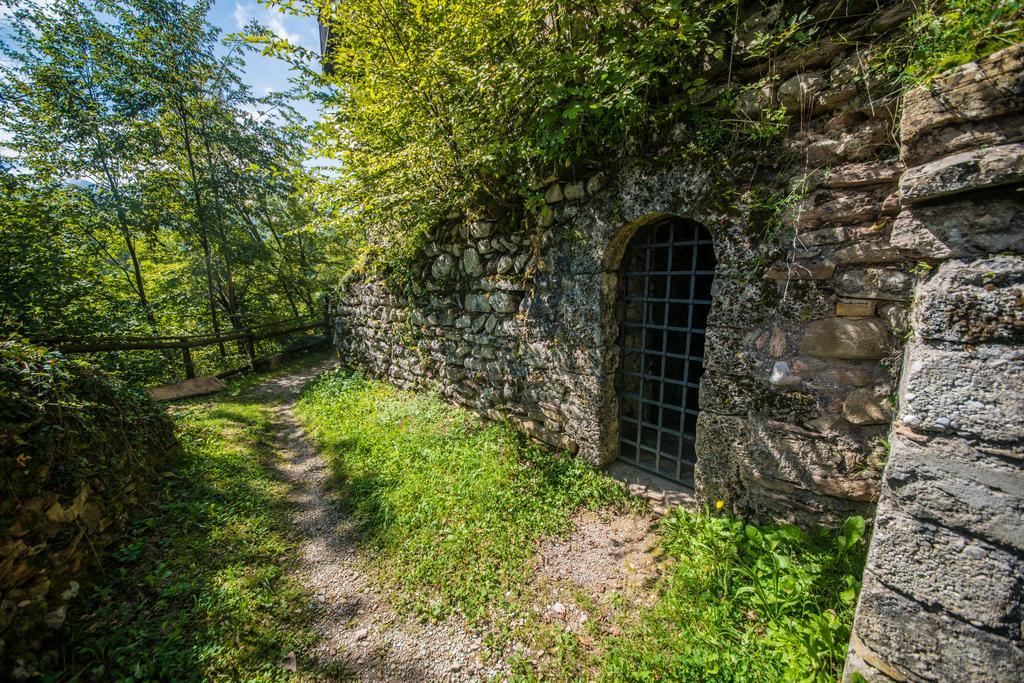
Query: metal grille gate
[[668, 269]]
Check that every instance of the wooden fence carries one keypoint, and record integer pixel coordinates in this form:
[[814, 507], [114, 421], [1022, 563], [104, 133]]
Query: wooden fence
[[248, 336]]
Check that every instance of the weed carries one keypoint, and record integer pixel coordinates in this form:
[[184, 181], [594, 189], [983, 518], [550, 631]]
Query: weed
[[745, 603]]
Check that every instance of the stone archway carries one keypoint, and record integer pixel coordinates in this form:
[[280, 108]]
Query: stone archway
[[664, 299]]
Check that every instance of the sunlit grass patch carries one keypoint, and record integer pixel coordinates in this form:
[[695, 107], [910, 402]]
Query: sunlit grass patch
[[745, 603], [451, 505]]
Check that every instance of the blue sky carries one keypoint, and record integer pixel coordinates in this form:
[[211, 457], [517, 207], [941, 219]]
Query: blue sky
[[265, 74]]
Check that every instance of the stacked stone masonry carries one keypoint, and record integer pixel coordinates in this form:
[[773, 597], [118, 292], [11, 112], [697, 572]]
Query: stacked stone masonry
[[943, 595], [519, 320]]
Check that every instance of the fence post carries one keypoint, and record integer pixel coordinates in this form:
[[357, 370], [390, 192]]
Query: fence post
[[328, 332], [186, 355], [250, 345]]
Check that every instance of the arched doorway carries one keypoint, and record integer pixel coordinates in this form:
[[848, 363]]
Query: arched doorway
[[667, 270]]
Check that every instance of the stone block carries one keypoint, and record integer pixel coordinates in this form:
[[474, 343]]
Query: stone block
[[875, 283], [975, 392], [855, 309], [851, 339], [877, 251], [959, 485], [863, 174], [964, 137], [963, 172], [961, 575], [921, 645], [834, 206], [801, 270], [981, 90], [866, 407], [960, 229], [976, 302]]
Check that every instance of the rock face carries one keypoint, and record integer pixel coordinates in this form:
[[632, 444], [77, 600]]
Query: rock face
[[943, 595]]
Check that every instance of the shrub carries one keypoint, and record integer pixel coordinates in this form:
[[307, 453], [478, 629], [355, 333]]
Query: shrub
[[742, 602], [78, 450]]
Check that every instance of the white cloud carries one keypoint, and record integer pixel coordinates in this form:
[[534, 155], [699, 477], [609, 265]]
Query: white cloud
[[272, 19]]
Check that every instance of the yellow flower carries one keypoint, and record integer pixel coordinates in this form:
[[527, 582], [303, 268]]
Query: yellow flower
[[719, 504]]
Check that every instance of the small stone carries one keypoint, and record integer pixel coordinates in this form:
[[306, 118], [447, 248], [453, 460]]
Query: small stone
[[361, 634], [777, 346], [480, 229], [844, 338], [781, 376], [503, 302], [799, 91], [471, 263], [574, 191], [863, 407], [553, 195], [595, 183], [817, 238], [477, 303], [855, 309]]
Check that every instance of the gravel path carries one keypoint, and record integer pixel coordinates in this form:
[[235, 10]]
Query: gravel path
[[358, 630]]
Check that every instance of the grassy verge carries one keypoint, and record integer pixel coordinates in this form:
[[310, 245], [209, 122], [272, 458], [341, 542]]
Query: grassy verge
[[451, 506], [200, 590], [742, 603]]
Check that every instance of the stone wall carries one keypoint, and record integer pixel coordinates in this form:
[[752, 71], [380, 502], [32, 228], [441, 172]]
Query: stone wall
[[517, 318], [943, 595]]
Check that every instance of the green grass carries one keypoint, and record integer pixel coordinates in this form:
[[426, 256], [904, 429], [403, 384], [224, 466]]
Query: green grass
[[450, 506], [742, 603], [200, 590]]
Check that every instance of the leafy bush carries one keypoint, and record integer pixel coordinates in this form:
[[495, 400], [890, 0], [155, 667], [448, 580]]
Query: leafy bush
[[943, 34], [451, 505], [78, 451], [746, 603]]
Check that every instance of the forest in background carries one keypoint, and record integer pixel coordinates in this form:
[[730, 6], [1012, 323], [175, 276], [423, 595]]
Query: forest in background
[[147, 190]]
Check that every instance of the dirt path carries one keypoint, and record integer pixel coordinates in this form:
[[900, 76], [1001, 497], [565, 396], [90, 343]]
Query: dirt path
[[358, 630]]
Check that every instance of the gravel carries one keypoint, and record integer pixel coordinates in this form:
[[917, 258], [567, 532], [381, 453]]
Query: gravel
[[358, 629]]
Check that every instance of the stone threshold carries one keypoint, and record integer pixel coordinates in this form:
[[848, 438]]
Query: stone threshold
[[662, 494]]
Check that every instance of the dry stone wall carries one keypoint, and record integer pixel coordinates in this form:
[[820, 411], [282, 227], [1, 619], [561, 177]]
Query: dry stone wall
[[943, 595], [519, 318]]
